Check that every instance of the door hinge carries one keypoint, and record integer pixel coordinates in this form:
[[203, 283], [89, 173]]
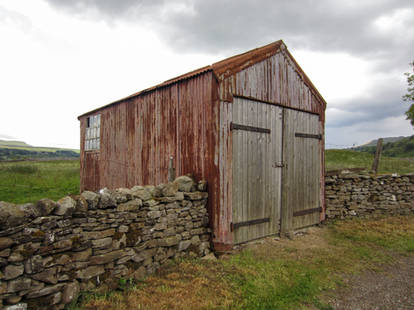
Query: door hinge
[[278, 165]]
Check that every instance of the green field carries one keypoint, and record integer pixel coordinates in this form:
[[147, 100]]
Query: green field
[[23, 182], [345, 159]]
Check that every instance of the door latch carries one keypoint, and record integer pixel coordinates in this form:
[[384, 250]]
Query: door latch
[[278, 165]]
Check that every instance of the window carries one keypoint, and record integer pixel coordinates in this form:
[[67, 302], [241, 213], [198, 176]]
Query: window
[[92, 134]]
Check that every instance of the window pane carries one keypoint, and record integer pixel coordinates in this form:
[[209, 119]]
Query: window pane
[[93, 133]]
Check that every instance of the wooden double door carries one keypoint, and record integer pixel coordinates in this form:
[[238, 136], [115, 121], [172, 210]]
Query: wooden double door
[[276, 169]]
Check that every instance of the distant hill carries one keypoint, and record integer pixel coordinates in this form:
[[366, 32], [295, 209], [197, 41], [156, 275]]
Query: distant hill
[[385, 140], [19, 150], [6, 143], [393, 147]]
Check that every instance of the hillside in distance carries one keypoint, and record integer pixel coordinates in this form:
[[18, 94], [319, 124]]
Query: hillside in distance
[[19, 150], [385, 140], [402, 147]]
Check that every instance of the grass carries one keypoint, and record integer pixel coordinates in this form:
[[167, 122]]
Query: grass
[[284, 274], [30, 181], [345, 159]]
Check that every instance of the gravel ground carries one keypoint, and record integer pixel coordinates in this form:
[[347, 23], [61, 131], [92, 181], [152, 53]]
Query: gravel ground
[[391, 288]]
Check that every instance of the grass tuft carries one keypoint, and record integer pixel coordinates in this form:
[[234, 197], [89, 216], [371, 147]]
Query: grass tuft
[[20, 169]]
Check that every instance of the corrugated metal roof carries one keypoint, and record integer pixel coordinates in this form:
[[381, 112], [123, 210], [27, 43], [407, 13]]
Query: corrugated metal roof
[[223, 69]]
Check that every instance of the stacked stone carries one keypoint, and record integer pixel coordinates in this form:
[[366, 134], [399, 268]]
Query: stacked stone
[[349, 195], [50, 251]]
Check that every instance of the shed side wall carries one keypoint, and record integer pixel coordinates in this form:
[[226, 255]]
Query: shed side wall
[[140, 134]]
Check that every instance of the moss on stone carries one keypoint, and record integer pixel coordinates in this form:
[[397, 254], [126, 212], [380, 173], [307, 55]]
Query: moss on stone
[[76, 241], [117, 236], [132, 236], [38, 234]]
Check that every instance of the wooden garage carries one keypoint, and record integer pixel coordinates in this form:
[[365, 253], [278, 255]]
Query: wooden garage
[[251, 125]]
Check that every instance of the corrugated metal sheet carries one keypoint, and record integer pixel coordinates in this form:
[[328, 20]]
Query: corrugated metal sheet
[[139, 135], [274, 80]]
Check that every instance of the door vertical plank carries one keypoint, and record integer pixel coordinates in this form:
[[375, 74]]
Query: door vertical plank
[[236, 170]]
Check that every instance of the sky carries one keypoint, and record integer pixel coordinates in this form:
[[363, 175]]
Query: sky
[[62, 58]]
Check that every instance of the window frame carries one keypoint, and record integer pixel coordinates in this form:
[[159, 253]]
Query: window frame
[[92, 139]]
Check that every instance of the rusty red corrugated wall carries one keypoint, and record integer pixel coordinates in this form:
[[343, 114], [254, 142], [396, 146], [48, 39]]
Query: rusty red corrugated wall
[[139, 134]]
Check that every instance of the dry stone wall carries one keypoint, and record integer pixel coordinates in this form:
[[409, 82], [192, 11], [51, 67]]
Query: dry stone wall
[[350, 195], [50, 251]]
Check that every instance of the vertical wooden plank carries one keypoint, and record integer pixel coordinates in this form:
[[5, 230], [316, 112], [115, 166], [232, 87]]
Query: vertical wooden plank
[[245, 165], [236, 170], [260, 207], [278, 155], [253, 169], [287, 203], [267, 167], [273, 172], [224, 216]]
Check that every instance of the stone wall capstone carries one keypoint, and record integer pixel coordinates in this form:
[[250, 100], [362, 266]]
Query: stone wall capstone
[[350, 195], [50, 251]]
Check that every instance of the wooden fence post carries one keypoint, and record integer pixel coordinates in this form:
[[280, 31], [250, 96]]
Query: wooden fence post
[[171, 170], [375, 164]]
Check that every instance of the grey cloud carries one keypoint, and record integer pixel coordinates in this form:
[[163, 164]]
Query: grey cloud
[[357, 134], [359, 120], [383, 102], [220, 25], [107, 9]]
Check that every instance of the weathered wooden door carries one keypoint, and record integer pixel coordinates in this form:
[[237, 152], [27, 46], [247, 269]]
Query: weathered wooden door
[[257, 160], [301, 171]]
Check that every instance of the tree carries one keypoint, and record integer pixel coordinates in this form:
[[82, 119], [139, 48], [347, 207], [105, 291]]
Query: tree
[[409, 97]]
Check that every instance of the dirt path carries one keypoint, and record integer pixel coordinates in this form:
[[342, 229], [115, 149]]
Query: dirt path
[[392, 288]]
